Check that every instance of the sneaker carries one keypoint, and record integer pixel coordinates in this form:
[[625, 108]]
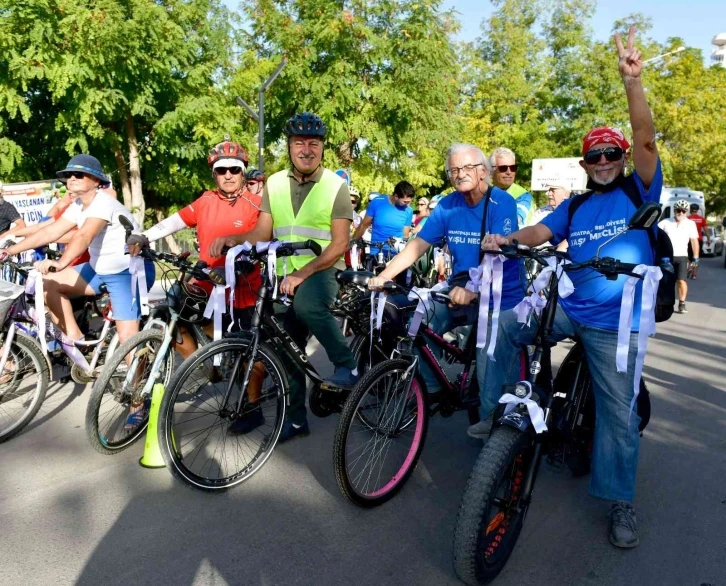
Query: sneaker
[[623, 526], [290, 431], [682, 307], [247, 422], [343, 378], [480, 430]]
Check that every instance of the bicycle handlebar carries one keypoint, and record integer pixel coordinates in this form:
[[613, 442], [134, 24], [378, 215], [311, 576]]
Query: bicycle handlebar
[[285, 249]]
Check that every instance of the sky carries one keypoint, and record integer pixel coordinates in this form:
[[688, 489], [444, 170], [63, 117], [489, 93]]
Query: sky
[[695, 21]]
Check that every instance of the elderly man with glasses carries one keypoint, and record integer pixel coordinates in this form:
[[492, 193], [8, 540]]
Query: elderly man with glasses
[[462, 217], [592, 311]]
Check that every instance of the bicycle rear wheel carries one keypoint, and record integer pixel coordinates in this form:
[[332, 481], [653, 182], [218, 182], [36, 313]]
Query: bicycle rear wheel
[[23, 384], [380, 434], [113, 399], [194, 420]]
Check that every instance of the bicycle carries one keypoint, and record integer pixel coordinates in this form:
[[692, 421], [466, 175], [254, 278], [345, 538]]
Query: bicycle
[[24, 370], [499, 490], [193, 419], [147, 358], [384, 421]]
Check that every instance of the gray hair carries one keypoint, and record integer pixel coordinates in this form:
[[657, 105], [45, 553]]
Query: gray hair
[[461, 147], [501, 152]]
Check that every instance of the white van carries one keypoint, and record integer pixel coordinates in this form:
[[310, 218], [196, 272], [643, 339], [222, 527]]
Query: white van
[[670, 195]]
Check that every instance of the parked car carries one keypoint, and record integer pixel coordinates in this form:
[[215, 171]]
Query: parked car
[[713, 244]]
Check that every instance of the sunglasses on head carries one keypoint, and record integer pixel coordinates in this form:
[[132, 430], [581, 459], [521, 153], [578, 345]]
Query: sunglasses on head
[[74, 174], [612, 154], [503, 168], [223, 170]]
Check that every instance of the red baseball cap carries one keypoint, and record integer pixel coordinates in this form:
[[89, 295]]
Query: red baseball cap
[[605, 134]]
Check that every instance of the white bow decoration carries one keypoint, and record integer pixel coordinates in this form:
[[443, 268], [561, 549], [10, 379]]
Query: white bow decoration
[[535, 303], [651, 276], [487, 276], [424, 304], [137, 268], [536, 414]]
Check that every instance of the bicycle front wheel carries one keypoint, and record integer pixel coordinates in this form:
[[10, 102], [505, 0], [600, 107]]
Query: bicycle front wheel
[[23, 384], [110, 422], [380, 434], [196, 433]]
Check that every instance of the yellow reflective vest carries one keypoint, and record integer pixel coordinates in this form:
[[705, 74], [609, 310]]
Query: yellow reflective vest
[[313, 220]]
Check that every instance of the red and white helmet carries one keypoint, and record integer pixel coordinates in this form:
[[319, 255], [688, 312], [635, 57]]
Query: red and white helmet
[[228, 150]]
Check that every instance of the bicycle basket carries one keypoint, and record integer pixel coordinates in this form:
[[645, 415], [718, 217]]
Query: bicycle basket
[[188, 300]]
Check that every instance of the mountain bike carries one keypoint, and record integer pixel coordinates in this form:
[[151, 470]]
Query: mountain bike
[[384, 421], [499, 490], [127, 380]]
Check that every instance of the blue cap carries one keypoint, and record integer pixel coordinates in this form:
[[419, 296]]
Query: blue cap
[[85, 164]]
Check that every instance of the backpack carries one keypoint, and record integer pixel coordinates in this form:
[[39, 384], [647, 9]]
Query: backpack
[[660, 243]]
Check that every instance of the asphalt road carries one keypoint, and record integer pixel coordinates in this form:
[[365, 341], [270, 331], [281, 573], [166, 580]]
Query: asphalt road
[[71, 516]]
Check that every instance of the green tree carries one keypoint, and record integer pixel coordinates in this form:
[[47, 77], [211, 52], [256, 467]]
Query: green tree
[[382, 74]]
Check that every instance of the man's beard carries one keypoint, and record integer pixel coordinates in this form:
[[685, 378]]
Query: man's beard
[[593, 185]]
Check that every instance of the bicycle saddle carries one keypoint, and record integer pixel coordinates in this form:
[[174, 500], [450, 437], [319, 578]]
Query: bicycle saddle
[[354, 277]]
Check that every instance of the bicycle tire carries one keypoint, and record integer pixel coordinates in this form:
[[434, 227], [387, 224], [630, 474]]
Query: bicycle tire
[[23, 346], [185, 387], [103, 431], [347, 477], [482, 545]]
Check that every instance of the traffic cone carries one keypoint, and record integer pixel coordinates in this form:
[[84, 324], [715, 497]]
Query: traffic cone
[[152, 457]]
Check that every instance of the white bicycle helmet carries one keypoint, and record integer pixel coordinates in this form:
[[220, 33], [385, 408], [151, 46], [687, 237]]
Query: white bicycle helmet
[[681, 204]]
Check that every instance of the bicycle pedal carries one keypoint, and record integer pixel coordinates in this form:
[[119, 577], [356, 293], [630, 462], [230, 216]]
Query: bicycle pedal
[[331, 388]]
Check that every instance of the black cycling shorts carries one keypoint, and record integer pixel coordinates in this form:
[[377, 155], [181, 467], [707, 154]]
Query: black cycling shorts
[[680, 264]]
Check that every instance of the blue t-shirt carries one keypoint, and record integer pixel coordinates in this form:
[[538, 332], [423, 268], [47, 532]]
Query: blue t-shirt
[[460, 224], [388, 220], [596, 301]]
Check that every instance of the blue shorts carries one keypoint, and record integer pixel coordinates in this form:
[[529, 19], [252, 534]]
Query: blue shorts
[[124, 306]]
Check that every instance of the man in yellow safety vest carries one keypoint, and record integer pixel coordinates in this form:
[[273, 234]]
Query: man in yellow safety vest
[[307, 202]]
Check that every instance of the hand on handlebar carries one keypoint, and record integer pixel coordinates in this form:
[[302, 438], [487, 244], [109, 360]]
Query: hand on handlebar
[[493, 242], [215, 250], [48, 266], [377, 283], [136, 242], [461, 296]]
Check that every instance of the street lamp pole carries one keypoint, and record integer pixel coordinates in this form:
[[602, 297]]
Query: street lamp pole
[[678, 50], [259, 116]]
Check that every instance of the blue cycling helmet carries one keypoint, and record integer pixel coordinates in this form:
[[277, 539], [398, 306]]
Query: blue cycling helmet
[[305, 124]]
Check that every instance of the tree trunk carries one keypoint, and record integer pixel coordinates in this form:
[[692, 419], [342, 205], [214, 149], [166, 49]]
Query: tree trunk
[[137, 207], [123, 177], [170, 242]]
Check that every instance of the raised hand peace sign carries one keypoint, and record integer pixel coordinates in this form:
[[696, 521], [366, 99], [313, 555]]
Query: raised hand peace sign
[[631, 61]]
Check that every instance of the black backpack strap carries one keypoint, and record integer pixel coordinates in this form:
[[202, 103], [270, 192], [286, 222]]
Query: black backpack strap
[[575, 204], [487, 197], [631, 190]]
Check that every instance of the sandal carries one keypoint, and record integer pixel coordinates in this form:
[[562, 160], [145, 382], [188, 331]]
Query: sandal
[[10, 370], [137, 418]]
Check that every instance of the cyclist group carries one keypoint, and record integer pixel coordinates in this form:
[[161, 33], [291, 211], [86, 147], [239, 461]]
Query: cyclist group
[[486, 209]]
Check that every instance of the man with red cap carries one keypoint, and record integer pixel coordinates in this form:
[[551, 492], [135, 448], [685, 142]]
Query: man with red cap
[[592, 312]]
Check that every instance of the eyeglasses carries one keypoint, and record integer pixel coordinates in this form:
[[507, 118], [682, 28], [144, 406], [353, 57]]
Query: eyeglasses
[[456, 171], [612, 154], [74, 174], [422, 204], [503, 168], [223, 170]]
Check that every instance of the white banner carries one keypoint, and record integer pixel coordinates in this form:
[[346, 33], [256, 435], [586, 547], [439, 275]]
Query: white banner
[[32, 199], [565, 173]]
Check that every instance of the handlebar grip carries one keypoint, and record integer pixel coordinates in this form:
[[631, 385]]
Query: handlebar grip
[[224, 251], [52, 269], [390, 286], [306, 245], [185, 255]]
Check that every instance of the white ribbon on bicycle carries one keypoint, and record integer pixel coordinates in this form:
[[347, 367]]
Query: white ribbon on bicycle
[[137, 268], [485, 278], [535, 302], [651, 276], [271, 249], [424, 305], [536, 413], [34, 286], [354, 257]]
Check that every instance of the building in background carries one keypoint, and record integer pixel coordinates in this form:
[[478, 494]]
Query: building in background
[[718, 55]]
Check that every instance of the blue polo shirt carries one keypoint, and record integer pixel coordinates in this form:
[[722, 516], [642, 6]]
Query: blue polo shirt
[[461, 224]]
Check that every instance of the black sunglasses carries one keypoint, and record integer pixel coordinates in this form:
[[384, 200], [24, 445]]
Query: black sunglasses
[[612, 154], [223, 170], [503, 168], [74, 174], [680, 211]]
